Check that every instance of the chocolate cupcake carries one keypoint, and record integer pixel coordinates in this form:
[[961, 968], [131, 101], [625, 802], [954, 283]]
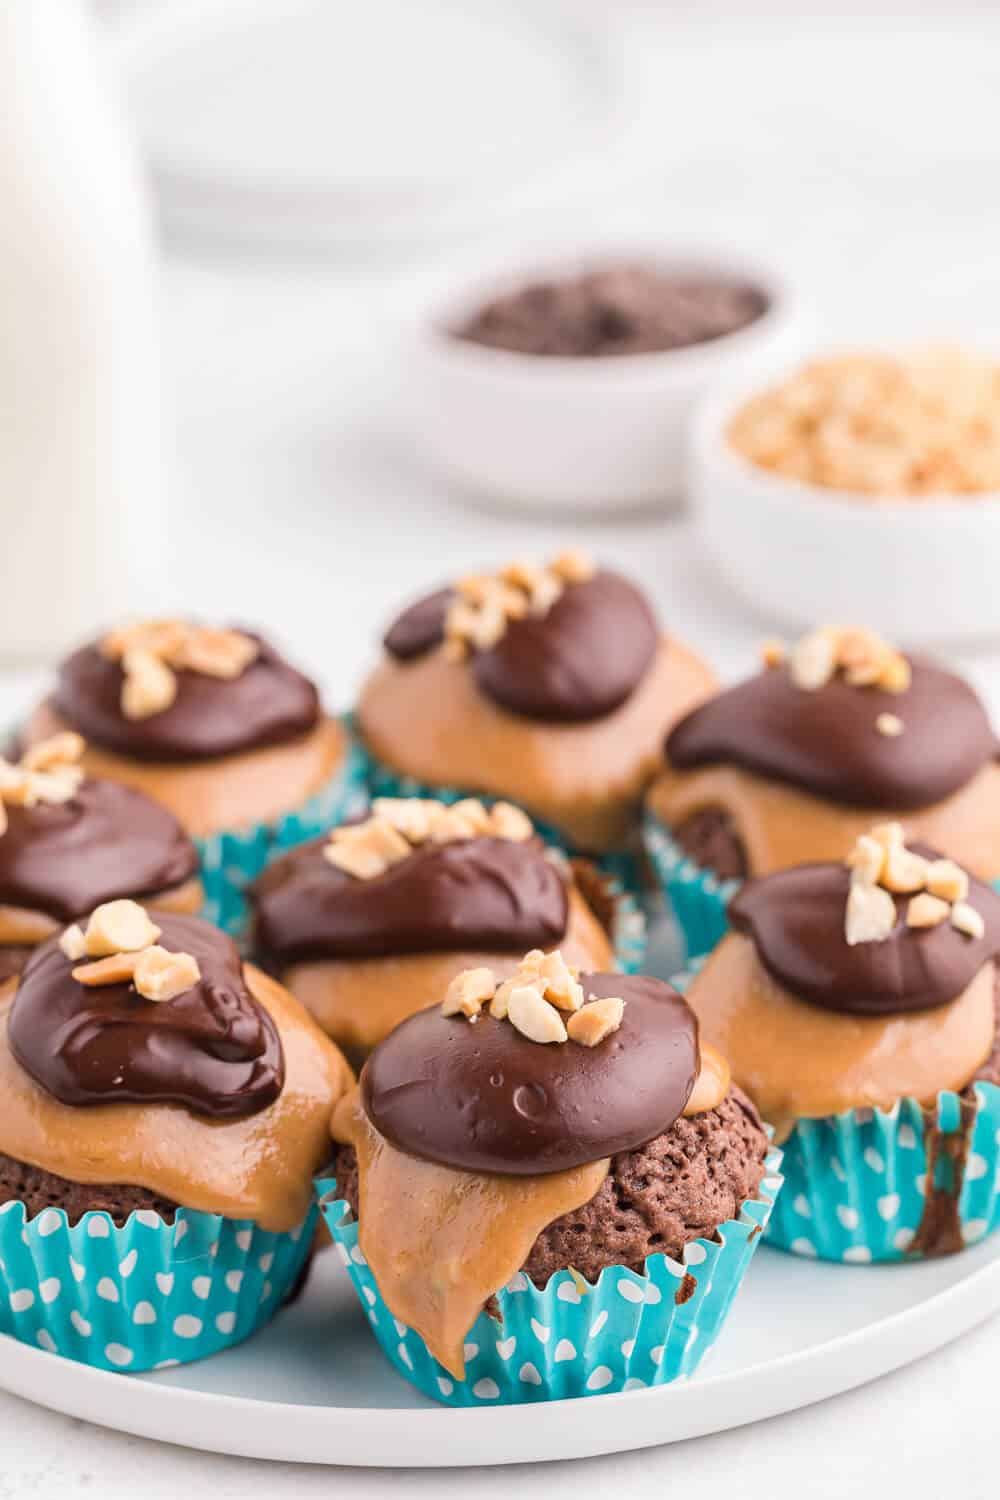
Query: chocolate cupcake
[[164, 1110], [218, 727], [365, 926], [554, 1188], [551, 687], [69, 843], [857, 1004], [797, 762]]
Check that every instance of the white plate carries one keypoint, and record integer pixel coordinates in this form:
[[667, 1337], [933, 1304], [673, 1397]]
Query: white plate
[[314, 1387], [305, 122]]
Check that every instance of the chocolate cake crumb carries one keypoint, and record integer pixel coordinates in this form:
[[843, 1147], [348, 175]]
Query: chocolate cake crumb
[[655, 1200], [614, 311], [709, 838], [38, 1190]]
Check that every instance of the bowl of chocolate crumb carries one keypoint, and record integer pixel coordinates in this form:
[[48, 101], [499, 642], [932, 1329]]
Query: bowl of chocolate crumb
[[567, 381]]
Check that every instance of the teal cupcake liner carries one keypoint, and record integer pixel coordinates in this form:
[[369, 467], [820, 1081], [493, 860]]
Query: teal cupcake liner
[[856, 1184], [622, 867], [148, 1294], [624, 1332], [698, 899], [232, 859]]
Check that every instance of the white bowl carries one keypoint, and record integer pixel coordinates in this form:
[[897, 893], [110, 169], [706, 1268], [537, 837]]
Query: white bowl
[[579, 433], [920, 571]]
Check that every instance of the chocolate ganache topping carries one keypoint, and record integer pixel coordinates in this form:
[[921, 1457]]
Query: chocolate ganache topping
[[827, 741], [580, 660], [268, 703], [212, 1049], [65, 858], [487, 893], [480, 1097], [796, 921]]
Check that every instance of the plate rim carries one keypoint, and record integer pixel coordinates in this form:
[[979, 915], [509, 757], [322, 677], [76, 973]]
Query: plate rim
[[414, 1437]]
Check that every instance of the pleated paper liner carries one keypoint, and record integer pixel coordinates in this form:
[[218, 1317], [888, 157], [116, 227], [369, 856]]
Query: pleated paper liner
[[148, 1294], [697, 898], [574, 1338], [890, 1185]]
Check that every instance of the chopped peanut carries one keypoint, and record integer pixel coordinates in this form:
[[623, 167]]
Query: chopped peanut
[[114, 969], [813, 660], [867, 860], [73, 943], [947, 880], [871, 914], [119, 927], [965, 918], [149, 686], [596, 1020], [561, 986], [534, 1017], [772, 653], [509, 822], [160, 975], [926, 911], [890, 725], [468, 992], [904, 871], [573, 566], [58, 750]]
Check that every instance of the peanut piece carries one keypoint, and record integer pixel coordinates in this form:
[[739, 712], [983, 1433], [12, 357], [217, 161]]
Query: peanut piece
[[772, 652], [149, 686], [410, 816], [73, 943], [904, 871], [871, 914], [561, 987], [967, 919], [889, 724], [509, 822], [119, 927], [58, 750], [114, 969], [534, 1017], [596, 1020], [215, 653], [926, 911], [947, 879], [813, 660], [573, 566], [160, 975], [866, 860], [468, 992]]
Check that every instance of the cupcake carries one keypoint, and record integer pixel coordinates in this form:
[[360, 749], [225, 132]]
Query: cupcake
[[857, 1004], [69, 843], [165, 1108], [219, 728], [551, 687], [366, 926], [546, 1187], [797, 762]]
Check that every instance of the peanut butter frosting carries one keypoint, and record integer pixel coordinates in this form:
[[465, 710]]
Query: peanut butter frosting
[[798, 1061], [426, 717], [780, 825], [256, 1167], [358, 1001], [226, 791]]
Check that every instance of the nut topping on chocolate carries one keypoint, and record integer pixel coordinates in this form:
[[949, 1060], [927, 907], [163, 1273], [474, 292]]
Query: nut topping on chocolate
[[48, 772], [120, 940], [477, 617], [881, 866], [399, 825], [153, 651], [532, 998], [864, 659]]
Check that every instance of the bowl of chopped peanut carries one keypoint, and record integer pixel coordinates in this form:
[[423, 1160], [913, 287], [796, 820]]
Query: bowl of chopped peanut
[[860, 485]]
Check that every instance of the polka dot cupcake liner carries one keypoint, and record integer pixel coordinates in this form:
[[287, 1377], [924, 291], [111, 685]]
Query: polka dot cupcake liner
[[621, 869], [622, 1333], [698, 899], [232, 860], [148, 1294], [861, 1187]]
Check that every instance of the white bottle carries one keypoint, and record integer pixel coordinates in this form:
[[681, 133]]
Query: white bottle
[[79, 357]]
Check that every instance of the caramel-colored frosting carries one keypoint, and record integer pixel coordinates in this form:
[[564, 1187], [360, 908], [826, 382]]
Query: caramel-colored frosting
[[427, 718], [358, 1001], [21, 926], [441, 1242], [781, 825], [230, 791], [800, 1061], [258, 1167]]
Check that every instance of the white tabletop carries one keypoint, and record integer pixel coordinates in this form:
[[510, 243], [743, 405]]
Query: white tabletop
[[293, 505]]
